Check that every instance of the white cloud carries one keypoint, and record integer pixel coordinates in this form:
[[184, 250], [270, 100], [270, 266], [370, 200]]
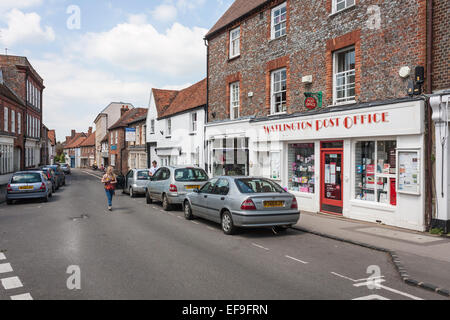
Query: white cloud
[[165, 13], [140, 47], [6, 5], [75, 94], [24, 27]]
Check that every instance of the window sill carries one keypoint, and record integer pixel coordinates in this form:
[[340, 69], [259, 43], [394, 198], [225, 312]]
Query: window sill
[[373, 205], [230, 59], [277, 114], [340, 11], [343, 103], [279, 38]]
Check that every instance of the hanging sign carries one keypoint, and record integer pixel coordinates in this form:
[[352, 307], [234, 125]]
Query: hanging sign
[[313, 100], [310, 103]]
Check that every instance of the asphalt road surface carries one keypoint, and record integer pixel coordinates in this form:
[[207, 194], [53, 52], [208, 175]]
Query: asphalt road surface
[[73, 248]]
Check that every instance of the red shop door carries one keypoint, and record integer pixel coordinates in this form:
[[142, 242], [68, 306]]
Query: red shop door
[[331, 196]]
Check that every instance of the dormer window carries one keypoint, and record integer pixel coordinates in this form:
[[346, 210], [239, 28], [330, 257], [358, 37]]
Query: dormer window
[[235, 42]]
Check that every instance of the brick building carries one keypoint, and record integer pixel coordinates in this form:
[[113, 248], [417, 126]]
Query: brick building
[[12, 111], [137, 149], [23, 79], [87, 150], [118, 151], [72, 148], [313, 94]]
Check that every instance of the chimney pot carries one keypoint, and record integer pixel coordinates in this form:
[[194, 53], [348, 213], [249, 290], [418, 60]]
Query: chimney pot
[[73, 133]]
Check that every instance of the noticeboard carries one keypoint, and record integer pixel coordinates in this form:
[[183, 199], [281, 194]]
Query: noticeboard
[[130, 134], [408, 180]]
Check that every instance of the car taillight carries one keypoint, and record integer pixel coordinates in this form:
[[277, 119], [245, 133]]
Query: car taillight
[[294, 204], [8, 188], [248, 205], [49, 176], [42, 186], [173, 188]]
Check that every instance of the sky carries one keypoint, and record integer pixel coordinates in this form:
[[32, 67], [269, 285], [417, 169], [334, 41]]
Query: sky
[[91, 53]]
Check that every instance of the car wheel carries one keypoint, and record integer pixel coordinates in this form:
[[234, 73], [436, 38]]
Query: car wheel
[[9, 202], [45, 199], [149, 200], [188, 211], [131, 192], [165, 203], [64, 182], [281, 228], [227, 223]]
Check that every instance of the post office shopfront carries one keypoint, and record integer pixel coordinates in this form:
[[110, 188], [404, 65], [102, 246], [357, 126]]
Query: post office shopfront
[[364, 163]]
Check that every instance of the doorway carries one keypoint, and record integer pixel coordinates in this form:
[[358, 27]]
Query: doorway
[[332, 167]]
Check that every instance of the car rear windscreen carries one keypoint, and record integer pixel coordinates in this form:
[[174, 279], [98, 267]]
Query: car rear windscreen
[[143, 175], [190, 174], [26, 178], [252, 185]]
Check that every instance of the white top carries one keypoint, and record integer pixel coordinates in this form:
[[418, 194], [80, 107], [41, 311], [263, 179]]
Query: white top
[[153, 170]]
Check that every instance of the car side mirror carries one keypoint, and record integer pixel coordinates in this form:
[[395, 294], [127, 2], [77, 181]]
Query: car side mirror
[[196, 191]]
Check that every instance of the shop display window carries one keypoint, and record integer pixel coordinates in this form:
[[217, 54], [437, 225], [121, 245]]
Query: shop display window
[[376, 171], [301, 167], [230, 157]]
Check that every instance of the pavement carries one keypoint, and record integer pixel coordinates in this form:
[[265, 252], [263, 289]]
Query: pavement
[[73, 248], [425, 257]]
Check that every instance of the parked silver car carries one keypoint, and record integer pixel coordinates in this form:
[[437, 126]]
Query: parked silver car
[[243, 202], [136, 181], [170, 185], [28, 185]]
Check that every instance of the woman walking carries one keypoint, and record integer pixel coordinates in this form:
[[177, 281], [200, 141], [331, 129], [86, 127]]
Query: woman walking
[[110, 182]]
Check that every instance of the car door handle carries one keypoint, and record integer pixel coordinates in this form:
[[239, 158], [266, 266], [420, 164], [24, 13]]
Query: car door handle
[[206, 197], [223, 198]]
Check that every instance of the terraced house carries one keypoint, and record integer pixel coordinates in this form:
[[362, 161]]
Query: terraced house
[[325, 98]]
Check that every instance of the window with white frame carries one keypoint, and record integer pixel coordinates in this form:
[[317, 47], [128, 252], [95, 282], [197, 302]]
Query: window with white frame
[[6, 124], [235, 42], [194, 122], [13, 121], [19, 123], [117, 137], [234, 100], [339, 5], [138, 136], [344, 76], [152, 126], [169, 127], [278, 91], [279, 19]]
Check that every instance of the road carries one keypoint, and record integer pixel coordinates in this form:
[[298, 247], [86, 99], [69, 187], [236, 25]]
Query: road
[[141, 252]]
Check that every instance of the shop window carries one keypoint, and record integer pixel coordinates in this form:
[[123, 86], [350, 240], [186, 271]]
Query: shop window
[[376, 171], [230, 157], [301, 167]]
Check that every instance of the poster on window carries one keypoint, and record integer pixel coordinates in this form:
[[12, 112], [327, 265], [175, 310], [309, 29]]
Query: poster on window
[[408, 172], [275, 165]]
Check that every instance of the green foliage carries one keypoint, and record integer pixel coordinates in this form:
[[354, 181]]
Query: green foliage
[[437, 231]]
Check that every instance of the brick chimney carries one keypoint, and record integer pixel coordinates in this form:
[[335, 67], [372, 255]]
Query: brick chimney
[[73, 133], [123, 110], [90, 131]]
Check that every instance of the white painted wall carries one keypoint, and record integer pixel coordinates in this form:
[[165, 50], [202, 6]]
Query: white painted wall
[[190, 143]]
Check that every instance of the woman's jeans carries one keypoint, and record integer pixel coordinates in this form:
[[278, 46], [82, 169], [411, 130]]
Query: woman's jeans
[[109, 195]]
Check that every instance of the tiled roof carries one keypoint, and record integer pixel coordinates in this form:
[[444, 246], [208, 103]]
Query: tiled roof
[[89, 141], [163, 99], [238, 9], [186, 99], [129, 116], [7, 92], [75, 141], [52, 137]]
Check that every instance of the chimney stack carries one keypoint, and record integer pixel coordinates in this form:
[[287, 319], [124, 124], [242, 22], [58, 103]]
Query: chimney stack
[[90, 131], [123, 110], [73, 133]]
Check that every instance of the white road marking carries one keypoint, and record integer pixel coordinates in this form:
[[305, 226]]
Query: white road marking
[[2, 256], [372, 297], [195, 222], [295, 259], [261, 247], [5, 268], [179, 217], [377, 283], [11, 283], [341, 276], [210, 228], [25, 296], [92, 175]]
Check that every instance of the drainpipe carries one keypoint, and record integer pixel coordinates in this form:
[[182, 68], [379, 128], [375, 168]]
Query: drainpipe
[[429, 46], [205, 143]]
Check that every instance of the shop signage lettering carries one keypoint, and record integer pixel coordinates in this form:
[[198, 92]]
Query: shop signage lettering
[[347, 122]]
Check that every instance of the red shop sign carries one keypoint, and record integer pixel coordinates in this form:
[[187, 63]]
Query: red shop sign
[[310, 103]]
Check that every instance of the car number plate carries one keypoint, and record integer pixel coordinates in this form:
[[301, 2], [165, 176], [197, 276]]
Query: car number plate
[[273, 204], [26, 188], [192, 187]]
